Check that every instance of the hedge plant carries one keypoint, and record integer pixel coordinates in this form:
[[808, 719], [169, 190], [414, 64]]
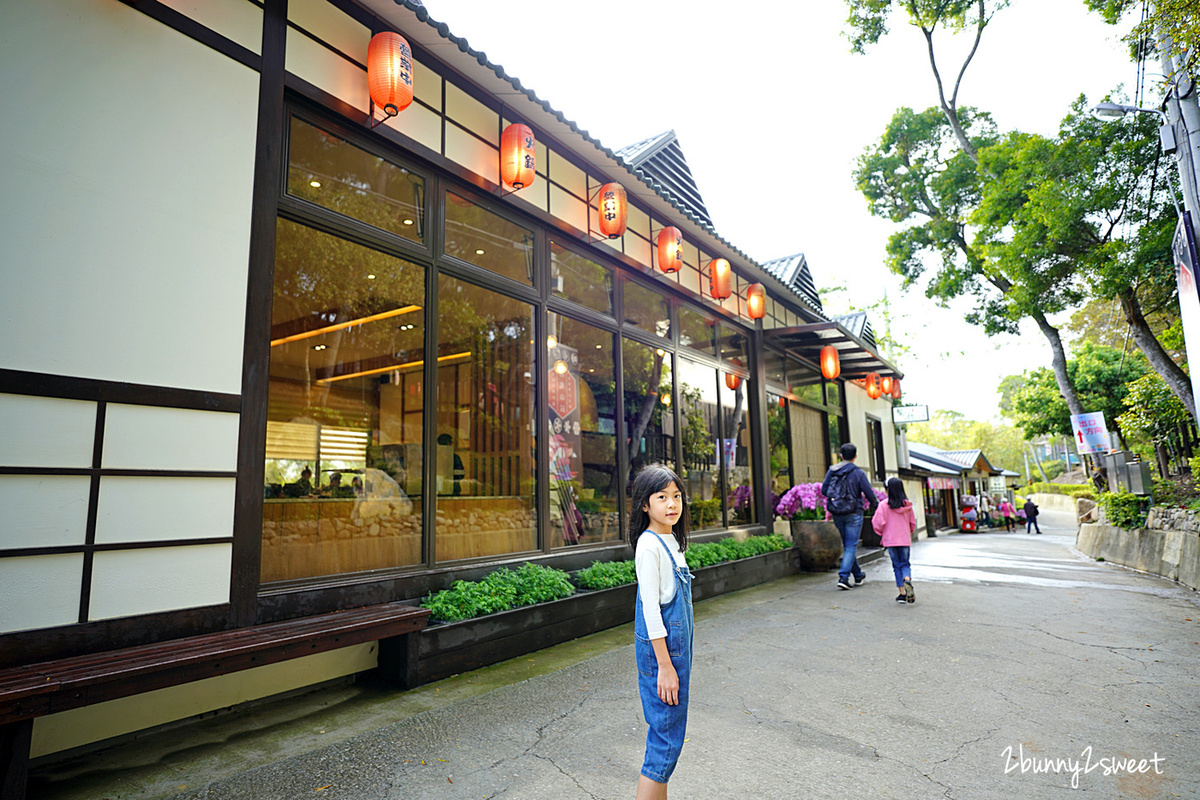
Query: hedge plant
[[1072, 489], [1124, 510], [502, 590], [606, 575]]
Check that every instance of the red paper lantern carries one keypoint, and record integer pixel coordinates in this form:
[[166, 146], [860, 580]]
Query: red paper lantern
[[783, 402], [518, 156], [389, 72], [885, 384], [873, 390], [720, 278], [670, 249], [831, 364], [756, 300], [895, 388], [732, 381], [614, 210]]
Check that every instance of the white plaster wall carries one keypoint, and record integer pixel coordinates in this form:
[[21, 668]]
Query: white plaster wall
[[128, 582], [43, 431], [148, 437], [81, 726], [124, 230], [39, 591], [156, 509], [43, 510], [858, 406], [239, 20]]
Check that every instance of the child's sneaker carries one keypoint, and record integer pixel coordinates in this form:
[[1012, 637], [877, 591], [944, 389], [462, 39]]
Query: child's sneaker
[[909, 595], [901, 599]]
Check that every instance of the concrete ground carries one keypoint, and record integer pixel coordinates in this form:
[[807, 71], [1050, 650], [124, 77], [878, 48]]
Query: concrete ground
[[1024, 670]]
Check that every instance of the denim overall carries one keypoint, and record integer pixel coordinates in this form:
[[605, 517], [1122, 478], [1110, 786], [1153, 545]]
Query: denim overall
[[664, 740]]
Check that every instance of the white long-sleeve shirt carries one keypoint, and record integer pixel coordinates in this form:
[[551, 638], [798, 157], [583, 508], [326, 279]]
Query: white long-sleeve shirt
[[656, 579]]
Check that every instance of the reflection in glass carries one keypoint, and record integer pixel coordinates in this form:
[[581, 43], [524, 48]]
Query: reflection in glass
[[584, 484], [647, 309], [697, 331], [773, 363], [698, 414], [777, 447], [488, 240], [486, 464], [649, 419], [733, 345], [735, 420], [343, 451], [833, 394], [575, 278], [330, 172]]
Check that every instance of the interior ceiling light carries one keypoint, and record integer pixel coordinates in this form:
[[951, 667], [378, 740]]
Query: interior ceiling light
[[395, 312], [406, 365]]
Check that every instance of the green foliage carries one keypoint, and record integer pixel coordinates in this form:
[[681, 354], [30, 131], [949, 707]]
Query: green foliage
[[709, 553], [949, 430], [1177, 492], [868, 20], [1099, 375], [1070, 489], [502, 590], [1054, 468], [698, 443], [606, 575], [1124, 510], [705, 512], [1153, 411], [1177, 20]]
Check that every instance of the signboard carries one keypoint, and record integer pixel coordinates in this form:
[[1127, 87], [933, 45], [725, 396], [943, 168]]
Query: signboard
[[945, 484], [902, 414], [1091, 433], [996, 484], [1187, 273]]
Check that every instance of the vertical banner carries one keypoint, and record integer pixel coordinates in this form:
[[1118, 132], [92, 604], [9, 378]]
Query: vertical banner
[[1091, 433], [1187, 268], [566, 467]]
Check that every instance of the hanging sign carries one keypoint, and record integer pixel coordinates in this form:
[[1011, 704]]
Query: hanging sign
[[1187, 271], [1091, 433], [901, 414]]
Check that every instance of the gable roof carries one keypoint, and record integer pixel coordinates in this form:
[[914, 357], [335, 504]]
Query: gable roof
[[660, 158], [971, 459], [858, 324], [793, 272], [933, 459]]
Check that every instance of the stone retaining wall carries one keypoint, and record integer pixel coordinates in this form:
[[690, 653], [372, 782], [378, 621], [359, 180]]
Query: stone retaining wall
[[1169, 545]]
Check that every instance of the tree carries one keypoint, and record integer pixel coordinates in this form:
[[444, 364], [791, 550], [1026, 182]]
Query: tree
[[1156, 416], [950, 430], [1100, 374], [1177, 20]]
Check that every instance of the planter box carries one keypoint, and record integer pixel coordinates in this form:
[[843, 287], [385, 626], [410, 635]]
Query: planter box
[[818, 544], [445, 650]]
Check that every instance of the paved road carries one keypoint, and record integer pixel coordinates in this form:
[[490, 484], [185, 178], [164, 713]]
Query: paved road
[[1022, 671]]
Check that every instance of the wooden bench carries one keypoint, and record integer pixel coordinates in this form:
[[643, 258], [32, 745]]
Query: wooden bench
[[35, 690]]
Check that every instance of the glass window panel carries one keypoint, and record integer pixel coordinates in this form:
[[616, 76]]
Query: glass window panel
[[486, 463], [835, 435], [833, 394], [584, 484], [649, 420], [647, 309], [697, 331], [575, 278], [805, 382], [773, 363], [777, 442], [344, 425], [330, 172], [733, 345], [488, 240], [701, 468], [735, 418]]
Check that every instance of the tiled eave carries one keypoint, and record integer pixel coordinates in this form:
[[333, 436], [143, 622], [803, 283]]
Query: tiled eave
[[857, 358]]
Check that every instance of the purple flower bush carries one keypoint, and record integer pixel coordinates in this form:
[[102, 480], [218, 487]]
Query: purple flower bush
[[740, 499], [805, 501]]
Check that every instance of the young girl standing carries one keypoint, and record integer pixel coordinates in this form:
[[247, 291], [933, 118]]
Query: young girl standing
[[895, 522], [662, 626]]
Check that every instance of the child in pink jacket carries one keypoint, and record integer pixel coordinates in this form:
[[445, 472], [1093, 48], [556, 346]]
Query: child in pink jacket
[[895, 522]]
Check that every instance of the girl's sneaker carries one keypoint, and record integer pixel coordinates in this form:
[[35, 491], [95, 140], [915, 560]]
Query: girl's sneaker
[[901, 598], [909, 595]]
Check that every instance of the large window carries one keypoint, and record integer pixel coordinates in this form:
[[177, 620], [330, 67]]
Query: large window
[[488, 240], [649, 419], [344, 430], [647, 309], [701, 466], [580, 280], [584, 484], [735, 420], [486, 464]]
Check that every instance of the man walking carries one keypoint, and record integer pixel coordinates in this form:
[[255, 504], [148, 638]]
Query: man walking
[[1031, 512], [844, 487]]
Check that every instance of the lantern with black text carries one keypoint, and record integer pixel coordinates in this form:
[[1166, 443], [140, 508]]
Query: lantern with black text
[[518, 156], [720, 279], [732, 381], [390, 72], [670, 249], [873, 389], [895, 388], [831, 364], [885, 384], [756, 300], [614, 210]]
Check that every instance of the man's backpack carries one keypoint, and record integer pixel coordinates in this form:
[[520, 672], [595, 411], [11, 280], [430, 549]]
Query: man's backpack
[[841, 496]]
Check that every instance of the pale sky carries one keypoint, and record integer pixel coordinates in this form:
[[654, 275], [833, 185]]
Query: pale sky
[[771, 110]]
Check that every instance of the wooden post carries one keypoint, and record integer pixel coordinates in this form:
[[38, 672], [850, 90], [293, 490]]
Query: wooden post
[[14, 758]]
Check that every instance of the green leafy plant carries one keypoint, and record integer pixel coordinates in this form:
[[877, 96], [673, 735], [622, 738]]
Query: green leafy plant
[[705, 512], [1124, 510], [1071, 489], [710, 553], [502, 590], [606, 575]]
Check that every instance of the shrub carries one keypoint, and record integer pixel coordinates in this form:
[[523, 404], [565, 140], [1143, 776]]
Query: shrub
[[1072, 489], [1181, 492], [500, 591], [705, 512], [802, 501], [709, 553], [606, 575], [1124, 510]]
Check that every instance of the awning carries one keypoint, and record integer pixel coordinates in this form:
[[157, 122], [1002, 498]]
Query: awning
[[806, 341]]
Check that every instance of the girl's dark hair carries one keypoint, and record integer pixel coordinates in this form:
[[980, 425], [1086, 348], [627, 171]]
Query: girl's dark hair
[[654, 478], [896, 495]]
